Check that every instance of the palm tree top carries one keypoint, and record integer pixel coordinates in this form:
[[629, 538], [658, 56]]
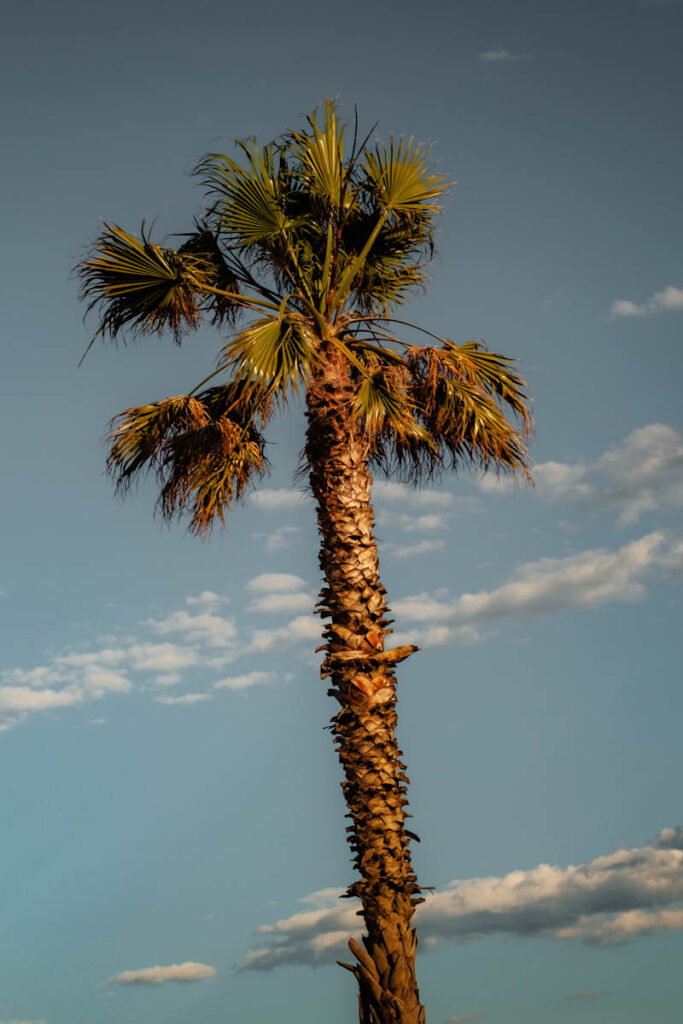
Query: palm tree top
[[306, 248]]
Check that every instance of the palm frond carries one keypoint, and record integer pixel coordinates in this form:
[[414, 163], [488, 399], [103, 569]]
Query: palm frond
[[142, 287], [203, 244], [320, 153], [275, 353], [461, 396], [383, 403], [400, 179], [490, 371], [138, 436], [203, 449], [249, 201], [206, 470]]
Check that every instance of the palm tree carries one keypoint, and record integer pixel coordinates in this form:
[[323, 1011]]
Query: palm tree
[[303, 252]]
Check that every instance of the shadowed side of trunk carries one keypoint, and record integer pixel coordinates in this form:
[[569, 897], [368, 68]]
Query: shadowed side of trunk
[[363, 682]]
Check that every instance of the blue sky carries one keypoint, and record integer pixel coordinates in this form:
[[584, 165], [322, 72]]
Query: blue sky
[[174, 832]]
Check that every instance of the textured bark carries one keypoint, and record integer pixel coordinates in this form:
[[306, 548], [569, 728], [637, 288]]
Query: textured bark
[[353, 601]]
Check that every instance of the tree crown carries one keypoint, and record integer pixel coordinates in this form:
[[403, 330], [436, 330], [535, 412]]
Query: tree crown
[[306, 245]]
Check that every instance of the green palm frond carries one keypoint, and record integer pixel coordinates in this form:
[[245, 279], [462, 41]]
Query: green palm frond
[[395, 264], [400, 179], [141, 286], [490, 371], [320, 153], [249, 203], [274, 353]]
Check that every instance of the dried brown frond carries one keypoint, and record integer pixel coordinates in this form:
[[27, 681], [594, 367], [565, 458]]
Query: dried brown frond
[[206, 470], [138, 436], [204, 450], [465, 395]]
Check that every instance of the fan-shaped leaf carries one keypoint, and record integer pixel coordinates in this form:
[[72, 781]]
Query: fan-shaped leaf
[[250, 202], [400, 178], [141, 286], [321, 155], [276, 353]]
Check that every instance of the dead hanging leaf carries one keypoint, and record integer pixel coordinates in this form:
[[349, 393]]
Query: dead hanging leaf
[[391, 657]]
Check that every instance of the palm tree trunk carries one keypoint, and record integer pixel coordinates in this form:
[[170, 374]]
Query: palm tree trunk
[[363, 682]]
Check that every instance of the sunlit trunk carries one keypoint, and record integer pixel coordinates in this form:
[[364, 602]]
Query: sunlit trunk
[[361, 672]]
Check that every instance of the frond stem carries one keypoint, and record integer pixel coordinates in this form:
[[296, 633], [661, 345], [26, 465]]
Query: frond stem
[[405, 323]]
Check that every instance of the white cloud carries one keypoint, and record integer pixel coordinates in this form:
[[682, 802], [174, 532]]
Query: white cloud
[[18, 699], [188, 971], [388, 490], [245, 681], [98, 681], [643, 473], [208, 601], [80, 659], [169, 679], [275, 603], [186, 698], [278, 498], [548, 585], [425, 523], [610, 900], [423, 547], [323, 897], [165, 657], [501, 56], [561, 481], [303, 627], [274, 582], [205, 627], [279, 539], [669, 298]]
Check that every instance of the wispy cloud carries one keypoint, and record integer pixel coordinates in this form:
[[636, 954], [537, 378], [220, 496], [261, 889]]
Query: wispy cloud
[[274, 582], [23, 1022], [610, 900], [276, 603], [198, 638], [427, 497], [668, 299], [643, 473], [185, 698], [539, 588], [422, 547], [302, 627], [502, 56], [204, 627], [279, 539], [187, 971], [270, 498], [426, 522], [207, 601], [245, 681]]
